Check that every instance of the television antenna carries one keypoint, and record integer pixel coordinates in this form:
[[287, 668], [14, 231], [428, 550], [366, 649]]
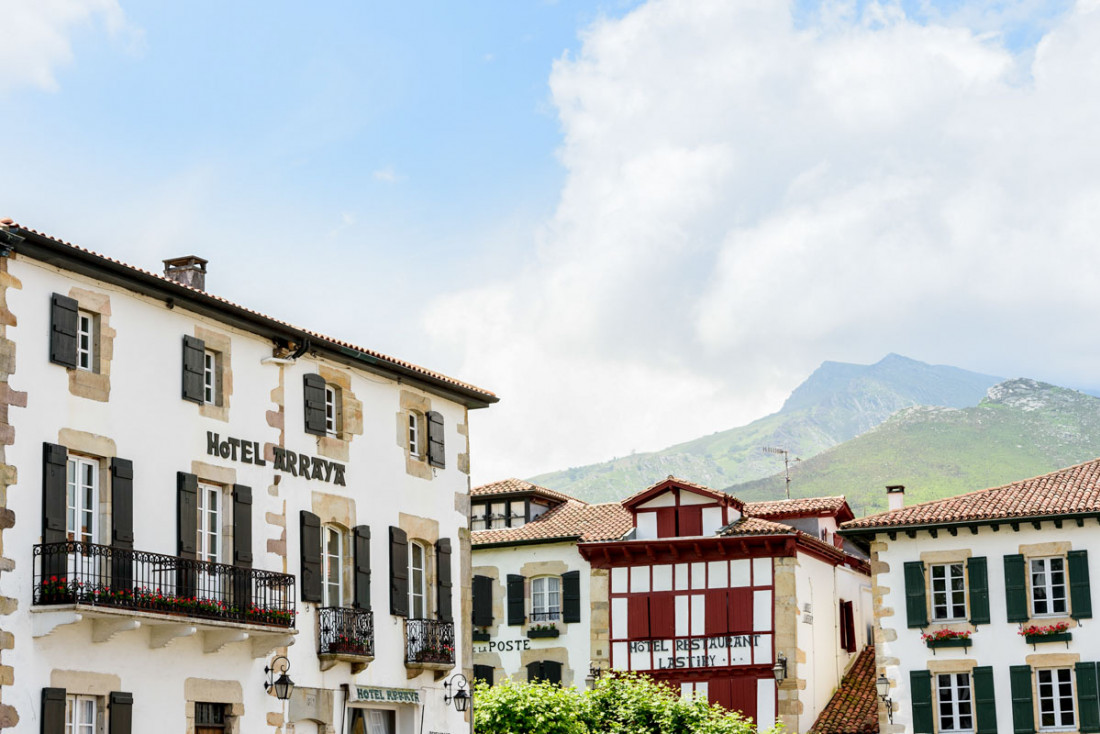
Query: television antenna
[[786, 463]]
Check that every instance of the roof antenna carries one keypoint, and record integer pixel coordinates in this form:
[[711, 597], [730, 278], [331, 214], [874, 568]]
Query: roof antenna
[[786, 463]]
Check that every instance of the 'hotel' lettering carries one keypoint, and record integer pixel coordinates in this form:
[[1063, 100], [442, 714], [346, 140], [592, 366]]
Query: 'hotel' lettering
[[297, 465]]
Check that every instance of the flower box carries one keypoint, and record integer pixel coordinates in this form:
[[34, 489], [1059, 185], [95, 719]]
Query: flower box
[[949, 642], [480, 636], [1056, 637], [537, 633]]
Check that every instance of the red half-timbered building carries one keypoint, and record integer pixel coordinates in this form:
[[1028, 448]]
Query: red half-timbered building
[[709, 592]]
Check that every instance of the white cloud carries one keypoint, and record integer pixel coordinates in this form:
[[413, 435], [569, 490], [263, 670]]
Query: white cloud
[[38, 37], [387, 175]]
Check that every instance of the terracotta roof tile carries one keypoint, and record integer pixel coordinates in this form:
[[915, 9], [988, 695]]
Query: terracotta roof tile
[[1069, 491], [717, 494], [517, 486], [757, 526], [798, 506], [853, 709], [572, 519], [430, 374]]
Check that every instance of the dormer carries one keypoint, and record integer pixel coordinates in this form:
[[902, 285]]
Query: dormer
[[675, 508], [818, 517], [510, 503]]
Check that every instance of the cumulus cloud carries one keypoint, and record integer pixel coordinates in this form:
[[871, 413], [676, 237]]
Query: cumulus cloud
[[749, 193]]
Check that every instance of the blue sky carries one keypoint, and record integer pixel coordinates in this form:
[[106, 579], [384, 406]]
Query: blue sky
[[669, 211]]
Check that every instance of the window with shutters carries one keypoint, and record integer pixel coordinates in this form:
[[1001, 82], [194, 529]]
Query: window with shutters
[[948, 582], [82, 714], [1048, 586], [86, 341], [211, 718], [82, 500], [1054, 687], [332, 566], [206, 377], [545, 599], [418, 580], [209, 541], [955, 712]]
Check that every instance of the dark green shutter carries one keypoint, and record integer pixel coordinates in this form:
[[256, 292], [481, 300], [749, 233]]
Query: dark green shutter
[[1016, 588], [194, 358], [1023, 713], [985, 704], [443, 578], [920, 683], [571, 596], [399, 572], [436, 453], [515, 600], [916, 607], [551, 671], [242, 526], [121, 712], [313, 393], [53, 711], [187, 515], [1088, 702], [362, 567], [1080, 595], [54, 459], [484, 673], [64, 316], [122, 523], [309, 553], [483, 601], [534, 671], [977, 572]]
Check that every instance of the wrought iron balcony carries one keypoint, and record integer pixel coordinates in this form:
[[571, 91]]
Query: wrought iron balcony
[[346, 631], [122, 579], [429, 641]]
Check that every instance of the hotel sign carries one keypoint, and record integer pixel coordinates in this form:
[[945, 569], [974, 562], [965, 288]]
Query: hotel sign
[[696, 652], [373, 694], [289, 462]]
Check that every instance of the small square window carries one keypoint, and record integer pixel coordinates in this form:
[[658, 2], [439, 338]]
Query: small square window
[[85, 341]]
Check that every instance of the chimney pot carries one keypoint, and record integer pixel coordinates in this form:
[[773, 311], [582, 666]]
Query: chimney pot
[[895, 496], [189, 270]]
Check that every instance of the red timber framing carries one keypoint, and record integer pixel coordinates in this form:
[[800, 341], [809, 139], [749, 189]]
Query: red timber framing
[[682, 519]]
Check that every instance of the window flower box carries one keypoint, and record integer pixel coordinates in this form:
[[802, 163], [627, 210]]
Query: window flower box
[[1057, 632], [947, 638], [540, 631], [1059, 637], [480, 636]]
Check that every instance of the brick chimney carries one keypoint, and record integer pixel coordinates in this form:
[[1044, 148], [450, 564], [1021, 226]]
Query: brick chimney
[[895, 496], [189, 270]]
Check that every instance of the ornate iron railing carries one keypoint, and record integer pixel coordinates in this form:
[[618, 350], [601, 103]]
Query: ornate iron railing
[[429, 641], [85, 573], [345, 631]]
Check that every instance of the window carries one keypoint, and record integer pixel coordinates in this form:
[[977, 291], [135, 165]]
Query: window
[[332, 555], [331, 427], [414, 436], [210, 718], [210, 526], [418, 577], [80, 714], [1055, 687], [209, 377], [545, 599], [1048, 586], [82, 499], [372, 721], [948, 592], [85, 341], [956, 707], [478, 520]]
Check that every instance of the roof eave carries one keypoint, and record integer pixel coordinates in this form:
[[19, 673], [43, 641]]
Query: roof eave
[[1000, 520], [474, 545]]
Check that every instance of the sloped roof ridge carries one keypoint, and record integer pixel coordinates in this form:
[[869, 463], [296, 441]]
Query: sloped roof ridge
[[678, 480], [512, 485]]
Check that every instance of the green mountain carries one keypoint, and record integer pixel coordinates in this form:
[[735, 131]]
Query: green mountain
[[1024, 428], [836, 403]]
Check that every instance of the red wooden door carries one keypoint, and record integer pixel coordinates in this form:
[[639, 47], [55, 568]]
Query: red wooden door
[[691, 520], [662, 615], [666, 522], [637, 617], [717, 622], [740, 611], [743, 696]]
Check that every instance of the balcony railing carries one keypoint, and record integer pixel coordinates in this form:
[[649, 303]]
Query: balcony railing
[[429, 641], [101, 575], [346, 631]]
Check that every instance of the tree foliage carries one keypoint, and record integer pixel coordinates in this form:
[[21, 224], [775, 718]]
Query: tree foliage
[[622, 704]]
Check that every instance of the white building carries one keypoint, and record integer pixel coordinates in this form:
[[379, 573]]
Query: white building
[[191, 489], [983, 604], [540, 610]]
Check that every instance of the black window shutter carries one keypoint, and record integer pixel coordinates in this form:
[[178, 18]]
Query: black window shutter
[[916, 608], [1015, 588], [436, 453], [122, 503], [571, 596], [242, 526], [551, 671], [1080, 595], [399, 572], [313, 392], [54, 458], [848, 630], [534, 671], [187, 515], [443, 578], [361, 598], [63, 328], [985, 703], [310, 554], [121, 712], [483, 601], [977, 572], [484, 673], [194, 354], [53, 711], [515, 600], [1023, 712], [920, 687], [1088, 704]]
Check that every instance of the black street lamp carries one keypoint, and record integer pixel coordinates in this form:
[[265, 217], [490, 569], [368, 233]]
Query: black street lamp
[[283, 685], [779, 670], [883, 686], [461, 696]]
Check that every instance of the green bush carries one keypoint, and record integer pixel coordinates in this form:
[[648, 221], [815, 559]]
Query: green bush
[[624, 704]]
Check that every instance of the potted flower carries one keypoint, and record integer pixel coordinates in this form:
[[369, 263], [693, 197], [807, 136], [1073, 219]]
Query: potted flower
[[1057, 632], [542, 630], [947, 638]]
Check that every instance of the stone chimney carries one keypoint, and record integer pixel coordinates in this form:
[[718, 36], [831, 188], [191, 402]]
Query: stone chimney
[[189, 270], [895, 496]]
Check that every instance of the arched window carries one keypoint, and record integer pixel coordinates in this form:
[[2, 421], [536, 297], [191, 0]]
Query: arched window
[[332, 566], [418, 580], [545, 599]]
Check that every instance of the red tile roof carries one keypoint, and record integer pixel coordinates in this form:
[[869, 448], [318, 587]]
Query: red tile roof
[[1070, 491], [519, 486], [571, 520], [800, 507], [853, 709], [654, 489], [757, 526], [170, 283]]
